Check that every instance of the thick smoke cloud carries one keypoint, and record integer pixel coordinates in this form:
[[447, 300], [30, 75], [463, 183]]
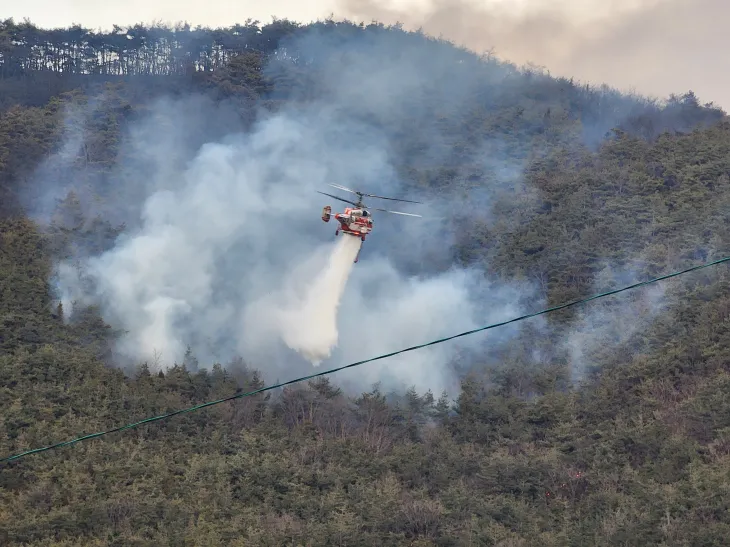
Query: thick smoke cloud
[[224, 232], [655, 47]]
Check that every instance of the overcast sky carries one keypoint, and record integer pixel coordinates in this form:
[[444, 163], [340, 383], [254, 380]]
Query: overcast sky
[[654, 47]]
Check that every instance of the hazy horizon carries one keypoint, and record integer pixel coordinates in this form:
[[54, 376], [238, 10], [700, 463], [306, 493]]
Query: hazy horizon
[[652, 47]]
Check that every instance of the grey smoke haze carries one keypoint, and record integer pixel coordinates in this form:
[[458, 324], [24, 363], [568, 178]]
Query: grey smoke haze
[[225, 230], [655, 47], [603, 327]]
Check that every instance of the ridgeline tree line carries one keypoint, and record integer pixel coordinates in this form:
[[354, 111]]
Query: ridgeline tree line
[[639, 454]]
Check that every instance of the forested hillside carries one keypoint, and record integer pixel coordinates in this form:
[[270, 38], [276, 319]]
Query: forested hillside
[[608, 425]]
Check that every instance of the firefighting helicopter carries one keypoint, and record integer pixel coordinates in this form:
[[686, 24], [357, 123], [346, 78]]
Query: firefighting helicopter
[[358, 220]]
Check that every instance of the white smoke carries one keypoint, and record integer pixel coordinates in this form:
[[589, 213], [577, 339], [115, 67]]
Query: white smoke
[[229, 256], [310, 326], [225, 251]]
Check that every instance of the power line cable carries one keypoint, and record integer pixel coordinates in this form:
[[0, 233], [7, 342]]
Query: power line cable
[[358, 363]]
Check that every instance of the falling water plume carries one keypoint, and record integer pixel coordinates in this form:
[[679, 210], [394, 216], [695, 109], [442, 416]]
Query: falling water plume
[[311, 326]]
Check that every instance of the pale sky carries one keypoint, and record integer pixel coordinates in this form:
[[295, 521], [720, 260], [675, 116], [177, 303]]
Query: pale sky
[[654, 47]]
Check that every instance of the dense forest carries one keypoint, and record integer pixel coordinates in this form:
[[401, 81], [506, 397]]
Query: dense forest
[[635, 453]]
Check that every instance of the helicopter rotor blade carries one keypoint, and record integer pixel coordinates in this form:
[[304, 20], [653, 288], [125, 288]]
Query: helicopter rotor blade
[[341, 199], [395, 212], [372, 195], [346, 189], [392, 199]]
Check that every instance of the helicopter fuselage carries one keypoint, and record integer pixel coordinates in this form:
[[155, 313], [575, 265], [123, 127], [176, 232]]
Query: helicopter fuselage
[[353, 221]]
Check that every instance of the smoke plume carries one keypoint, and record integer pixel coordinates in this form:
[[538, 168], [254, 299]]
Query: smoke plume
[[225, 252]]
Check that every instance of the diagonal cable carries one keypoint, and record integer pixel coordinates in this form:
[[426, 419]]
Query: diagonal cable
[[358, 363]]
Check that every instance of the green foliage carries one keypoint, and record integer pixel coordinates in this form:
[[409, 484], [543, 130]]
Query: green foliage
[[639, 455]]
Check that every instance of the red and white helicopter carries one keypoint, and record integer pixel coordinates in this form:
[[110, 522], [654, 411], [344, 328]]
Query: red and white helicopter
[[358, 220]]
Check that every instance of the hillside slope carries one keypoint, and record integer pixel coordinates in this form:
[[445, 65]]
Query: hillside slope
[[603, 426]]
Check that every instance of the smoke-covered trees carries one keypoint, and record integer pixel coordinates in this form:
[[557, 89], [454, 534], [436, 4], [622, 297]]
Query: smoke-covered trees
[[637, 455]]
